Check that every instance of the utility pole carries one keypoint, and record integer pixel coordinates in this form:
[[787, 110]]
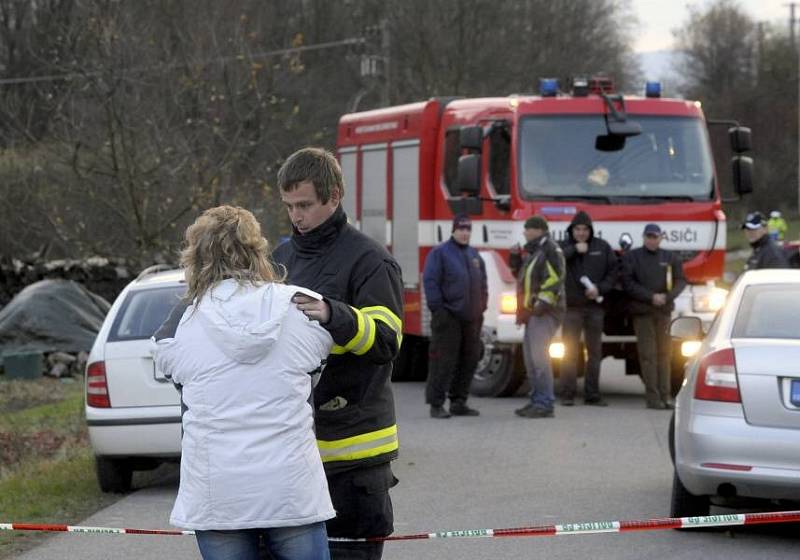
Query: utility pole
[[796, 45], [792, 22], [385, 55]]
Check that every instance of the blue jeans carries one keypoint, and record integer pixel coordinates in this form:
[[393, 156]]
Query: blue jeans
[[305, 542], [539, 331]]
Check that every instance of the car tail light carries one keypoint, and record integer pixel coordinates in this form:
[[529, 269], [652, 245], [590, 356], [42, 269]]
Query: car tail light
[[96, 386], [716, 378]]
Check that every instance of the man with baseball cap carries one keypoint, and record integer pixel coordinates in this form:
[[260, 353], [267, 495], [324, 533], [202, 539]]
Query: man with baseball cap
[[540, 307], [653, 278], [456, 291], [766, 253]]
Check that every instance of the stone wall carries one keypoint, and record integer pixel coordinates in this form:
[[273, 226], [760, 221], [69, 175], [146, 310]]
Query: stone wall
[[104, 277]]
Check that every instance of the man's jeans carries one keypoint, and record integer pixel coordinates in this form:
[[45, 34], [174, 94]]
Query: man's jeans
[[305, 542], [535, 349]]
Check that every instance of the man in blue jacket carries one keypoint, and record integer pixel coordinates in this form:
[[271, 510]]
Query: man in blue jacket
[[456, 292]]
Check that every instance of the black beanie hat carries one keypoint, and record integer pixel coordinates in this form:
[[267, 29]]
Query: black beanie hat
[[537, 222]]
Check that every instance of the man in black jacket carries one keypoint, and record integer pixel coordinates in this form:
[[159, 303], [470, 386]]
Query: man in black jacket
[[591, 273], [766, 253], [362, 309], [653, 278]]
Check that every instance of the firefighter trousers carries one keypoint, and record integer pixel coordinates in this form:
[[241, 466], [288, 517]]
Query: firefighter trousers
[[363, 509]]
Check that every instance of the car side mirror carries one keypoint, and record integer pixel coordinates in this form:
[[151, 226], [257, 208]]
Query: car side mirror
[[686, 328]]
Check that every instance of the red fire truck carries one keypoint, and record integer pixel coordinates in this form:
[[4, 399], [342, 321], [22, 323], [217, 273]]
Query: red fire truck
[[626, 160]]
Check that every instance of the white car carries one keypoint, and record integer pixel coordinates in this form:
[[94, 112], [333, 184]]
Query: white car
[[736, 432], [133, 413]]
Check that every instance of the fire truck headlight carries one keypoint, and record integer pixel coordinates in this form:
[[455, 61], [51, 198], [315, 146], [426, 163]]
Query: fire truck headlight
[[508, 303], [689, 348], [557, 350], [709, 301]]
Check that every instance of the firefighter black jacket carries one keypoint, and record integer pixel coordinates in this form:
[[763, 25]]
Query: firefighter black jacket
[[353, 402]]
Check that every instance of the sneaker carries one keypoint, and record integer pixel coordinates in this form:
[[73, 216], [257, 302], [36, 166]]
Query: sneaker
[[596, 401], [530, 411], [461, 409], [567, 401], [439, 412], [656, 405], [669, 405]]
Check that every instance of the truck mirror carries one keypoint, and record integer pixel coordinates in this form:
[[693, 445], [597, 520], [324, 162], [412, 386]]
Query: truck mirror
[[469, 174], [741, 139], [471, 138], [742, 174]]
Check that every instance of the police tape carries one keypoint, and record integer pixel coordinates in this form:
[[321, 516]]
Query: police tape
[[585, 528]]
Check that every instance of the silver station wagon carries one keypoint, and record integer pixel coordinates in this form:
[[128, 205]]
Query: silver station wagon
[[735, 435]]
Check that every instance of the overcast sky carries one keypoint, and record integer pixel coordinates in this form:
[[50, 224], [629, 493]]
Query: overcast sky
[[659, 17]]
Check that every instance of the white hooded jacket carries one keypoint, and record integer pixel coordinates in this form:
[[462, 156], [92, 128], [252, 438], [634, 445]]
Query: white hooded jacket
[[249, 457]]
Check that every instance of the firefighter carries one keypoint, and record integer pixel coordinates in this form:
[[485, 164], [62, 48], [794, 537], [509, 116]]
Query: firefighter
[[540, 291], [362, 309], [766, 253], [777, 226], [591, 275], [653, 278], [456, 293]]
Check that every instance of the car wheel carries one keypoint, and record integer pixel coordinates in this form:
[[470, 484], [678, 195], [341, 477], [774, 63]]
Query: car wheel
[[114, 475], [685, 504]]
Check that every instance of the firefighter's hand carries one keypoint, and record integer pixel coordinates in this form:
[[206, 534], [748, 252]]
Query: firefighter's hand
[[592, 293], [581, 247], [314, 309], [659, 300]]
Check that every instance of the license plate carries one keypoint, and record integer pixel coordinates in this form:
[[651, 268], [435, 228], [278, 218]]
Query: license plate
[[795, 394]]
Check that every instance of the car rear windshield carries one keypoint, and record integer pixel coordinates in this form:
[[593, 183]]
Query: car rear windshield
[[143, 311], [769, 311]]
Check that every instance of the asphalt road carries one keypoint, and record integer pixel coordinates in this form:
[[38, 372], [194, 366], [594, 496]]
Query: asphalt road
[[494, 471]]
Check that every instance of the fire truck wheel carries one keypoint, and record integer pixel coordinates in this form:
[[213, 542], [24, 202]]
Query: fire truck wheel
[[412, 362], [497, 374]]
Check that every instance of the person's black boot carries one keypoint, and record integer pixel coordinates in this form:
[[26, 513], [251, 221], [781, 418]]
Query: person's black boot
[[461, 409], [439, 412]]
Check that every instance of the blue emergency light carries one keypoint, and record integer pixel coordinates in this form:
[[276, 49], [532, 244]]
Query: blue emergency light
[[652, 89], [548, 87]]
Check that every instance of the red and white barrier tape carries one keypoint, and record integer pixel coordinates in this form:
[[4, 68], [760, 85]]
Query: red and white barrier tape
[[587, 528]]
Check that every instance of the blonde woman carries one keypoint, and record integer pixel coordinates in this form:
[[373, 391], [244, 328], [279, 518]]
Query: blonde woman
[[244, 356]]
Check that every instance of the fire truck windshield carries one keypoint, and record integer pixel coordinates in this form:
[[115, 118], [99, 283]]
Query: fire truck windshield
[[670, 159]]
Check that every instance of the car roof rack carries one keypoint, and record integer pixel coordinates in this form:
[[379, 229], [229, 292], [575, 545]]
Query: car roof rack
[[154, 269]]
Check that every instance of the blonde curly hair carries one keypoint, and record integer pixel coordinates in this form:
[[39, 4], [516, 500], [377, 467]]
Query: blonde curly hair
[[225, 242]]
